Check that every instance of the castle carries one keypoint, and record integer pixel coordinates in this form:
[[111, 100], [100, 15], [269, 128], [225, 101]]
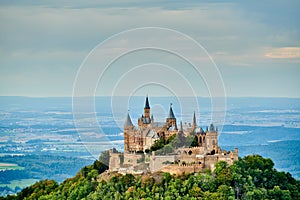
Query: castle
[[143, 137], [185, 158]]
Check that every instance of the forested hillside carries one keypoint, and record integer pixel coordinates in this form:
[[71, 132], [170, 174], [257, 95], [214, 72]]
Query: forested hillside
[[251, 177]]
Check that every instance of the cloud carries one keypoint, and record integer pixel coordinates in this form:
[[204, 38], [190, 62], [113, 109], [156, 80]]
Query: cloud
[[284, 53], [47, 40]]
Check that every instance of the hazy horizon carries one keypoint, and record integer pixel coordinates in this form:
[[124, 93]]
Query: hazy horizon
[[261, 97]]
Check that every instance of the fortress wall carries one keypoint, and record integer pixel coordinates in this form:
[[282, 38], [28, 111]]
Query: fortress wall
[[180, 169], [229, 158], [156, 162], [132, 158], [114, 161]]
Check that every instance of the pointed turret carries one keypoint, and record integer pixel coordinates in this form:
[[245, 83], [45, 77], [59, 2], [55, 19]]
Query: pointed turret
[[194, 120], [181, 136], [211, 128], [128, 121], [171, 120], [147, 110], [180, 128], [171, 113], [147, 106]]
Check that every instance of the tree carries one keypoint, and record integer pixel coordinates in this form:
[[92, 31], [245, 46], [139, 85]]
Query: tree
[[224, 192], [191, 141], [158, 144], [278, 194], [196, 192], [256, 194], [223, 173]]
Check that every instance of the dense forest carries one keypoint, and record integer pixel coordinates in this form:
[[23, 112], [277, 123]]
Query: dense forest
[[251, 177]]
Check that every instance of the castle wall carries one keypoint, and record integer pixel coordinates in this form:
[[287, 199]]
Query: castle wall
[[114, 161], [132, 158], [156, 162], [193, 165], [180, 169]]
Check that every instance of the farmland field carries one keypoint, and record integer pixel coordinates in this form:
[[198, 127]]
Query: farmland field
[[10, 166]]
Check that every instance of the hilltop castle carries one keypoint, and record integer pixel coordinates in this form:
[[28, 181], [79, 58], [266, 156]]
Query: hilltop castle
[[186, 158]]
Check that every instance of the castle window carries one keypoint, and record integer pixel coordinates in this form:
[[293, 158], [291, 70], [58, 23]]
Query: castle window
[[214, 142], [190, 152], [213, 152]]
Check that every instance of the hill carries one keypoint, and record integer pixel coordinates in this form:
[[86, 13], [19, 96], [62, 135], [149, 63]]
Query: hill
[[251, 177]]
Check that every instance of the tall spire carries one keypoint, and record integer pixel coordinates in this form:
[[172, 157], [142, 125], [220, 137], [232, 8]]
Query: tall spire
[[194, 120], [128, 121], [147, 103], [171, 113], [147, 110], [180, 128]]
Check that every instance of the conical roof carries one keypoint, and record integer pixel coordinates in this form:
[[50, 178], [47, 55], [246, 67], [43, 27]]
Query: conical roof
[[211, 128], [147, 106], [180, 128], [194, 119], [128, 121], [171, 113]]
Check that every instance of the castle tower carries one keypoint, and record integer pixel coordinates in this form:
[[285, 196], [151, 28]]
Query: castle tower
[[128, 127], [145, 119], [128, 122], [171, 120], [212, 139], [147, 108]]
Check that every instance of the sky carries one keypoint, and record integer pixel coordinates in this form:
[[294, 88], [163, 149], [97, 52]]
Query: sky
[[253, 47]]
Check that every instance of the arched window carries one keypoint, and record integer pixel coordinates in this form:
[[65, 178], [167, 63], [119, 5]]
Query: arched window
[[213, 152]]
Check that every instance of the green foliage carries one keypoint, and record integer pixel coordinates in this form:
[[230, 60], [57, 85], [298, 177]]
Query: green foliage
[[38, 189], [167, 146], [252, 177], [191, 141], [158, 144]]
